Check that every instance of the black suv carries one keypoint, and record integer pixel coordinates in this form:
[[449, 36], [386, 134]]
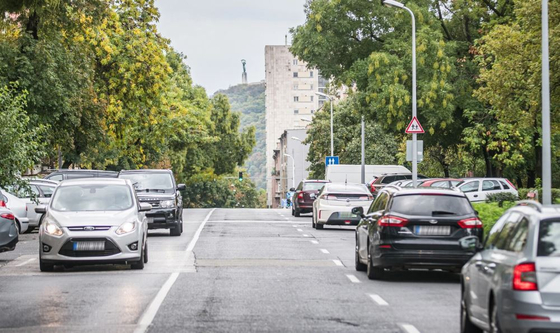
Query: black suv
[[62, 174], [415, 228], [158, 188]]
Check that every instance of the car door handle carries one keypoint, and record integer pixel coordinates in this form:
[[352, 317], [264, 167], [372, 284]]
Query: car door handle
[[490, 266], [476, 195], [478, 264]]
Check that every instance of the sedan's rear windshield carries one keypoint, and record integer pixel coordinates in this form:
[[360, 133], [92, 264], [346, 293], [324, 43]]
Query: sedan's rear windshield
[[549, 239], [312, 186], [431, 205], [98, 197]]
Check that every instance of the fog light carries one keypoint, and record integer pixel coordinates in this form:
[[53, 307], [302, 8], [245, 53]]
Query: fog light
[[46, 248], [133, 246]]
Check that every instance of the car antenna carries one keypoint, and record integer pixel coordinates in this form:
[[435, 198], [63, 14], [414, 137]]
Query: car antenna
[[346, 180]]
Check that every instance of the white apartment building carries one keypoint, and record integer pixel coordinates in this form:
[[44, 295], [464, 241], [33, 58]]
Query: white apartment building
[[290, 101]]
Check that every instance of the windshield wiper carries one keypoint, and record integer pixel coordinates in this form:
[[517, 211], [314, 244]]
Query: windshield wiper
[[442, 212]]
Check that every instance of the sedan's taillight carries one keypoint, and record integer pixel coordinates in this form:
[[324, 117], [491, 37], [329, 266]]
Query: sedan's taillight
[[8, 216], [470, 223], [366, 197], [2, 203], [525, 277], [392, 221], [300, 195]]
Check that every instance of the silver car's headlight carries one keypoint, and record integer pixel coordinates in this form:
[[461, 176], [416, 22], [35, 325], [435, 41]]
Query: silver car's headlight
[[167, 204], [52, 228], [126, 228]]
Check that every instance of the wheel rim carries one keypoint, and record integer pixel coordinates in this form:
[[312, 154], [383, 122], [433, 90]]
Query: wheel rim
[[494, 320]]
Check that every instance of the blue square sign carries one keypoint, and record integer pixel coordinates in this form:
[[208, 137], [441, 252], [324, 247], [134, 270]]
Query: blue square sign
[[331, 160]]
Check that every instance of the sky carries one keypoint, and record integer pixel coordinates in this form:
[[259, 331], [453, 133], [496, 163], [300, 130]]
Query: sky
[[216, 34]]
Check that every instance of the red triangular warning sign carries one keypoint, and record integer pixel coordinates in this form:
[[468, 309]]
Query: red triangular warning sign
[[414, 127]]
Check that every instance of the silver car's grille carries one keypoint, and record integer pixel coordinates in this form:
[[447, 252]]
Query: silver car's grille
[[89, 228]]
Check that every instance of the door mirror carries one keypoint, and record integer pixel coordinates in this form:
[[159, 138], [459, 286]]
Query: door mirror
[[358, 211], [470, 243], [41, 209], [293, 189], [181, 187], [145, 207]]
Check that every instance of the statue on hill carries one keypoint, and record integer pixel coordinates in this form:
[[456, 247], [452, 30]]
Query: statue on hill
[[244, 74]]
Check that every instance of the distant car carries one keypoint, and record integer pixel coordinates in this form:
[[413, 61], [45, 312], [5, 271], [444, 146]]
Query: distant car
[[384, 180], [63, 174], [477, 189], [414, 228], [159, 189], [91, 221], [42, 190], [441, 182], [18, 207], [305, 194], [8, 230], [512, 283], [334, 204]]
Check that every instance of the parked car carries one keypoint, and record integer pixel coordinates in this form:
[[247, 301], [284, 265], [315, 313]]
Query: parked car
[[63, 174], [305, 194], [90, 221], [386, 179], [159, 189], [39, 193], [512, 283], [477, 189], [414, 228], [17, 207], [441, 182], [8, 230], [334, 203]]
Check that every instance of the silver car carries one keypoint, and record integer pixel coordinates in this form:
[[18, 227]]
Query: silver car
[[512, 283], [91, 221], [38, 193], [8, 230], [18, 208]]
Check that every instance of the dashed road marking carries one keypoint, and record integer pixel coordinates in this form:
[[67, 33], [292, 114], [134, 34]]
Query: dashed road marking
[[305, 235], [377, 299], [314, 242], [409, 328], [338, 263], [295, 226], [353, 278], [325, 251], [299, 230], [25, 262]]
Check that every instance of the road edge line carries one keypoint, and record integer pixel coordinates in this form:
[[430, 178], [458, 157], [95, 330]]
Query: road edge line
[[148, 316], [193, 241]]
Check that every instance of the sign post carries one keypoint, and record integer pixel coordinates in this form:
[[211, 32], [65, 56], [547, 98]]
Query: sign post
[[414, 128]]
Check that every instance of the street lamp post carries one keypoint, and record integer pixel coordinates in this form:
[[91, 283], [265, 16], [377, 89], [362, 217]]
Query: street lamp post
[[331, 103], [392, 3], [546, 153], [293, 170]]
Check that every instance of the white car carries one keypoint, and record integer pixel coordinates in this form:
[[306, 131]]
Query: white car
[[18, 208], [477, 189], [334, 204]]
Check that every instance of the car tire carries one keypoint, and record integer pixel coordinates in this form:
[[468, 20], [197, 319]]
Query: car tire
[[319, 226], [176, 231], [146, 253], [140, 263], [494, 322], [372, 272], [293, 213], [45, 267], [467, 325], [359, 266], [297, 213], [18, 227], [313, 220]]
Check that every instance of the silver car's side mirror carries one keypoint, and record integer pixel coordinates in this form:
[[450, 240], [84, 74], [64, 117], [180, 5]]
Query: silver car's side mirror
[[145, 207], [41, 209]]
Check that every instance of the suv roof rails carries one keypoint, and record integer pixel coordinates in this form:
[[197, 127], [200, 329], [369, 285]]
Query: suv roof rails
[[533, 204]]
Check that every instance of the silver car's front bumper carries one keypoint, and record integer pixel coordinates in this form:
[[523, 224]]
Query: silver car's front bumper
[[117, 247]]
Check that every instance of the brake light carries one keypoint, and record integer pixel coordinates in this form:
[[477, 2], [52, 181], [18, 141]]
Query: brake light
[[392, 221], [366, 197], [300, 195], [373, 189], [531, 317], [525, 277], [472, 223], [8, 216], [510, 184], [2, 203]]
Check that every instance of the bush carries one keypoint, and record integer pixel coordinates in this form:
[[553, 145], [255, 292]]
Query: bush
[[555, 194], [489, 213], [501, 197]]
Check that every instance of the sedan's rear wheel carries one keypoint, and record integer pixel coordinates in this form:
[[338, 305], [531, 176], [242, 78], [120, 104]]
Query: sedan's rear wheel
[[494, 322], [319, 226], [374, 273], [313, 220], [297, 213], [359, 266], [467, 325]]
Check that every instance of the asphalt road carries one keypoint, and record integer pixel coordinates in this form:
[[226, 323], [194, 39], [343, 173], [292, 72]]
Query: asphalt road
[[232, 270]]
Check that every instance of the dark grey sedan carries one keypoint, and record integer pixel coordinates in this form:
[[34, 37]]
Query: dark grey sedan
[[512, 284], [8, 230]]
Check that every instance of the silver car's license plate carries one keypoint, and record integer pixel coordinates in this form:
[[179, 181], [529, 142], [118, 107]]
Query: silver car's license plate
[[432, 230], [89, 246]]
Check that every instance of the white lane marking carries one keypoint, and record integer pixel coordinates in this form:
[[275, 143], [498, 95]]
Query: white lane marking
[[409, 328], [299, 230], [295, 226], [305, 235], [377, 299], [193, 241], [325, 251], [314, 242], [150, 313], [338, 263], [25, 262], [352, 278], [286, 218], [264, 222]]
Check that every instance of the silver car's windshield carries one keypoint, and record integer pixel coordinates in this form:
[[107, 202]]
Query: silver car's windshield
[[92, 197], [150, 181]]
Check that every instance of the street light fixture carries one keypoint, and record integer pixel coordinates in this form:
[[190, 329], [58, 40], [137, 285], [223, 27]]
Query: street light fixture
[[293, 170], [331, 103], [396, 4]]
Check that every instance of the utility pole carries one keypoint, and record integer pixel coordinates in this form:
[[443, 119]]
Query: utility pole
[[546, 153], [363, 151]]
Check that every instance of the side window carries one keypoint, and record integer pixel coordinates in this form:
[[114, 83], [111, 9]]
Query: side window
[[56, 177], [502, 238], [388, 179], [495, 231], [35, 190], [442, 184], [47, 191], [378, 203], [504, 185], [490, 185], [78, 175], [470, 187], [300, 186], [518, 237]]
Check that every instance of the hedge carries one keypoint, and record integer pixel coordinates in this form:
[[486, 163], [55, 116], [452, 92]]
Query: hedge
[[555, 194]]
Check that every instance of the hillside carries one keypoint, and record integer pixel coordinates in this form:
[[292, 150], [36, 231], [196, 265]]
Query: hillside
[[249, 100]]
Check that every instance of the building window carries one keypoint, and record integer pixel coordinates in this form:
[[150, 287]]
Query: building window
[[296, 111], [311, 98], [296, 98], [295, 62], [311, 74], [296, 86], [295, 74], [312, 111], [311, 87]]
